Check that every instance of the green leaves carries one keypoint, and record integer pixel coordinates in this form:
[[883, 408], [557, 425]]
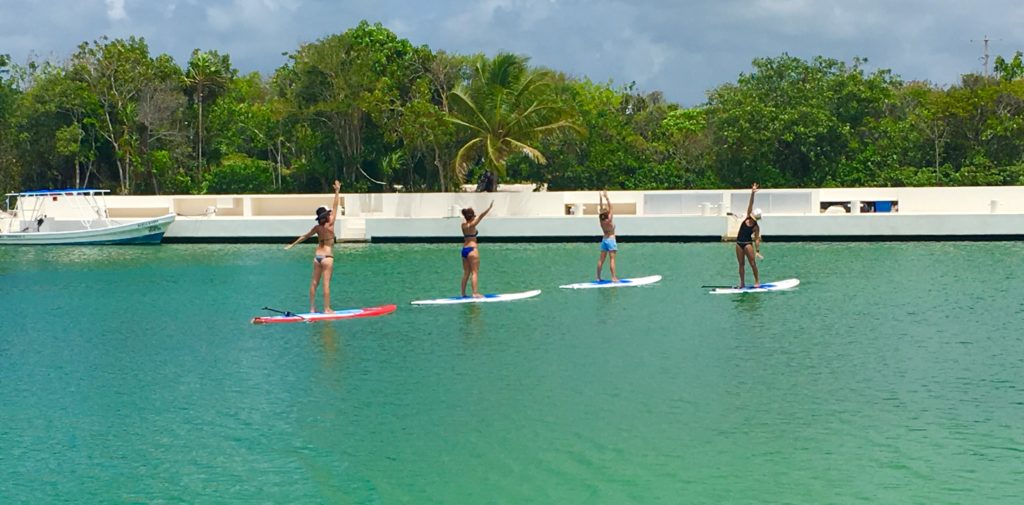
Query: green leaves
[[383, 114], [506, 107]]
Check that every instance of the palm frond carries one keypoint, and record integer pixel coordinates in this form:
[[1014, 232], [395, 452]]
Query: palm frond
[[529, 151], [461, 164]]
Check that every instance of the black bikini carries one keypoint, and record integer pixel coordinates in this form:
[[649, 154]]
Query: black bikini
[[746, 234]]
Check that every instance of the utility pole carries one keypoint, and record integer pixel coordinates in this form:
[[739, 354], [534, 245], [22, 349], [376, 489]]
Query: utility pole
[[984, 57]]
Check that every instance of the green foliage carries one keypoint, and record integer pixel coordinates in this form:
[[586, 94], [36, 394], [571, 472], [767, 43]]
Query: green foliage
[[793, 122], [1010, 70], [239, 174], [10, 173], [506, 107], [380, 113], [208, 74]]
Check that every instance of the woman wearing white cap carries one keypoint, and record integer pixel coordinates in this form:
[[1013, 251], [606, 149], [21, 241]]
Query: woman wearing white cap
[[748, 240]]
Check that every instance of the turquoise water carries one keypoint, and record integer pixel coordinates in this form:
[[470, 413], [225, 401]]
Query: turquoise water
[[894, 374]]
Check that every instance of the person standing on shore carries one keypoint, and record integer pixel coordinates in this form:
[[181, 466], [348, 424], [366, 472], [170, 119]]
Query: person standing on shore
[[608, 245], [323, 259], [748, 240], [470, 252]]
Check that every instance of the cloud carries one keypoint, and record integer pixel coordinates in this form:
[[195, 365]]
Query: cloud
[[115, 10], [262, 14], [680, 48]]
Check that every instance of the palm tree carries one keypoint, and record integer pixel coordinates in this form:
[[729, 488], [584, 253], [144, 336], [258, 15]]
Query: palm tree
[[506, 106], [207, 73]]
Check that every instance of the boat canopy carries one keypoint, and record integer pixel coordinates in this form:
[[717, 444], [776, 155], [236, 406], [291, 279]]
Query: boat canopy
[[60, 192]]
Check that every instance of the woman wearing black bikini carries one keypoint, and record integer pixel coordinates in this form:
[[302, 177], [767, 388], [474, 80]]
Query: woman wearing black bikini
[[748, 240], [470, 253], [323, 259]]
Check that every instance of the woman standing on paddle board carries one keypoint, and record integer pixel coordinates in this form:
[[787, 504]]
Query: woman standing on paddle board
[[608, 245], [748, 240], [323, 259], [470, 252]]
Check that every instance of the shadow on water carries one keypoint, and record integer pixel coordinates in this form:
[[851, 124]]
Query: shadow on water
[[328, 342], [473, 322], [749, 303]]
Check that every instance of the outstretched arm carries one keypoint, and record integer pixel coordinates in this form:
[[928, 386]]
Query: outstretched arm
[[609, 207], [750, 206], [482, 214], [337, 201], [302, 238]]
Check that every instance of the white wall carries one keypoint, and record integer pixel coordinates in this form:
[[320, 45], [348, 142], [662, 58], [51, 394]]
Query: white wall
[[963, 200], [788, 212]]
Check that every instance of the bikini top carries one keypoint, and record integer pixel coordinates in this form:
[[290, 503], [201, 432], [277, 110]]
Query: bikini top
[[471, 236]]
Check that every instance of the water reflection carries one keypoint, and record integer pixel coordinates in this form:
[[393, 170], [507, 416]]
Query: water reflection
[[86, 254], [749, 303], [328, 340], [473, 320]]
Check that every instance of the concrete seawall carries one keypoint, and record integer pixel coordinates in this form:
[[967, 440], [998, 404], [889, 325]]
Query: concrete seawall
[[833, 214]]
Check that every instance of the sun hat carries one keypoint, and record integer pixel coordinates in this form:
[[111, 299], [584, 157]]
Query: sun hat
[[322, 211]]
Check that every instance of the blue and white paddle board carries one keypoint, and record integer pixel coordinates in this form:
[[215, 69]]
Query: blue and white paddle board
[[638, 281], [763, 288], [503, 297]]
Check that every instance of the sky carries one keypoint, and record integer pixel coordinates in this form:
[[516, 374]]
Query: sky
[[681, 48]]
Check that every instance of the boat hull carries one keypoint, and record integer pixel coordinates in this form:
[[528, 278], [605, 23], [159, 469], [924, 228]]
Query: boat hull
[[150, 231]]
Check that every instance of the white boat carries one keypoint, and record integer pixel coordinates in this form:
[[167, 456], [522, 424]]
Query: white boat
[[73, 217]]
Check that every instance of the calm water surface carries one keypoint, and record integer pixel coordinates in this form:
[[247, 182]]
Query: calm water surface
[[894, 374]]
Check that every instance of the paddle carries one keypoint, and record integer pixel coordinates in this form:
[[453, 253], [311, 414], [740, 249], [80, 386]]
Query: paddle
[[285, 313]]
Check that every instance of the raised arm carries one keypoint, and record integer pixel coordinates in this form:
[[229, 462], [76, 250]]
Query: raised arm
[[337, 201], [750, 206], [476, 220], [303, 238], [609, 206]]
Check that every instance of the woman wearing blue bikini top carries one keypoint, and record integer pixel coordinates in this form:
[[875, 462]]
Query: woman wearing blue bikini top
[[470, 253], [323, 259]]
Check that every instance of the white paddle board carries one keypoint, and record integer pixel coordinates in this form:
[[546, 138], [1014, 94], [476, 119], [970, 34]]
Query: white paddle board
[[502, 297], [638, 281], [764, 288]]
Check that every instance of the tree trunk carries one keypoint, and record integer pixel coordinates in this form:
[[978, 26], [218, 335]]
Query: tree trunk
[[199, 132]]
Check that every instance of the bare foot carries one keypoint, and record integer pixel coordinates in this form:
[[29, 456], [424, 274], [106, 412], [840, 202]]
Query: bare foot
[[328, 310], [477, 295], [312, 310], [615, 279]]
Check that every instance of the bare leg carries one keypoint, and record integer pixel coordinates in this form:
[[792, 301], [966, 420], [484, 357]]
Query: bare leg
[[465, 274], [317, 269], [328, 269], [739, 258], [611, 265], [474, 262], [753, 265], [600, 264]]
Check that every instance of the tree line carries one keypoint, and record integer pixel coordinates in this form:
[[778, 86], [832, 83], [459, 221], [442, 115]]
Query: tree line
[[373, 110]]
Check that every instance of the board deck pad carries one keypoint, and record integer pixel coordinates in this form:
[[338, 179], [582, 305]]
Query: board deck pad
[[499, 297], [764, 288], [320, 316], [636, 281]]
